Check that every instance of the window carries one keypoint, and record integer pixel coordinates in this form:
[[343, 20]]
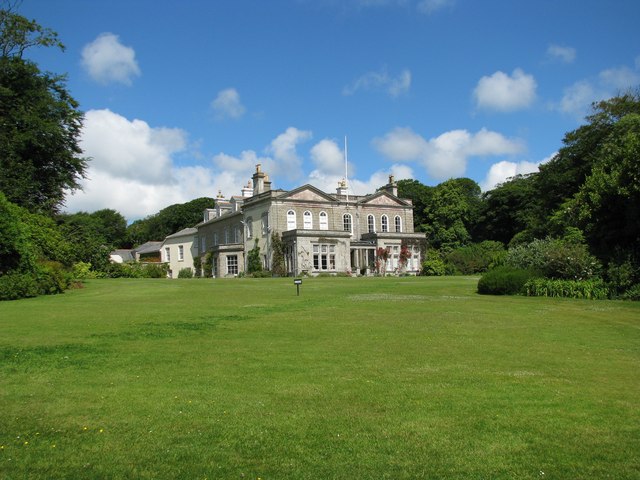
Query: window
[[181, 253], [308, 220], [215, 238], [346, 222], [203, 244], [324, 257], [167, 254], [249, 227], [371, 224], [384, 222], [237, 234], [226, 235], [232, 265], [291, 220], [398, 222], [324, 221], [264, 221]]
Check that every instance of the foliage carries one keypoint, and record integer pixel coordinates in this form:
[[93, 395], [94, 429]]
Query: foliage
[[197, 265], [260, 274], [82, 270], [207, 265], [48, 278], [168, 220], [433, 265], [587, 289], [254, 263], [506, 210], [420, 196], [185, 273], [403, 258], [17, 34], [136, 270], [16, 253], [555, 258], [382, 255], [632, 293], [451, 212], [477, 257], [504, 280], [41, 125], [278, 267]]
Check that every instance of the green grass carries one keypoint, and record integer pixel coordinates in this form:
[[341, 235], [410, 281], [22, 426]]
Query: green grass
[[355, 379]]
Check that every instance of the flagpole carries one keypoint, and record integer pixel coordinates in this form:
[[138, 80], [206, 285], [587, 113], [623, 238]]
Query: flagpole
[[346, 173]]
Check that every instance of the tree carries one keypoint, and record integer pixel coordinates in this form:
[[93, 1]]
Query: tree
[[451, 213], [278, 267], [168, 220], [506, 210], [40, 123], [254, 263], [420, 196]]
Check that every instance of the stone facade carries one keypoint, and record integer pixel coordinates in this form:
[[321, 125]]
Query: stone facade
[[320, 232]]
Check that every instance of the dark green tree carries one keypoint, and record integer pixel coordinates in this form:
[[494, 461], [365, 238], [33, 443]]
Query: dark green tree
[[40, 124], [420, 196]]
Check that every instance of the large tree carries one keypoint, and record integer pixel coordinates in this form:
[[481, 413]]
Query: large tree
[[40, 124]]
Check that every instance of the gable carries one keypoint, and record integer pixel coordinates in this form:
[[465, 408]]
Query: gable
[[308, 193], [384, 199]]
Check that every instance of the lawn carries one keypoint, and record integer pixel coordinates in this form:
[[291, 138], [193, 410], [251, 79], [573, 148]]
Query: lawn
[[353, 379]]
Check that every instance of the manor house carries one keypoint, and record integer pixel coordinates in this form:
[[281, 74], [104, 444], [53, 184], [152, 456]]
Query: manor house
[[320, 232]]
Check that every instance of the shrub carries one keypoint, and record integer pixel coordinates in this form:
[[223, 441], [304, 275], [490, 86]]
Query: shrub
[[185, 273], [554, 258], [82, 270], [14, 286], [632, 293], [52, 278], [476, 258], [504, 280], [546, 287], [260, 274], [207, 265], [433, 265]]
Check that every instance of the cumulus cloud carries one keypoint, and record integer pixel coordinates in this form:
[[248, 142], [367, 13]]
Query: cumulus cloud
[[501, 171], [577, 98], [381, 81], [561, 53], [287, 162], [108, 61], [227, 104], [505, 93], [446, 155]]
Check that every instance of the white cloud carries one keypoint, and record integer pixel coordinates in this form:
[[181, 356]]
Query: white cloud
[[505, 93], [108, 61], [432, 6], [329, 182], [327, 156], [381, 81], [287, 162], [501, 171], [227, 104], [577, 98], [564, 54], [446, 155]]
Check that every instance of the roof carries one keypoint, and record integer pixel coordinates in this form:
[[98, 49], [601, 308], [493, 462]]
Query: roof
[[149, 247], [184, 232], [125, 254]]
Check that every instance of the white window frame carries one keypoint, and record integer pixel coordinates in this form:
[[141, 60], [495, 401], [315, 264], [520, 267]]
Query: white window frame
[[347, 223], [398, 223], [181, 253], [291, 220], [323, 220], [324, 257], [384, 223], [371, 224], [307, 219], [232, 265], [167, 254]]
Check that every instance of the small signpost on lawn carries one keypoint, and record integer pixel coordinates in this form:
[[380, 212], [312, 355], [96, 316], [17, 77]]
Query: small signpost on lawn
[[297, 282]]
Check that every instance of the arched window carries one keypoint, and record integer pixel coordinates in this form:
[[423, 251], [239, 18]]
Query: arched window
[[249, 227], [291, 220], [308, 220], [346, 223], [384, 222], [398, 222], [371, 224], [324, 221]]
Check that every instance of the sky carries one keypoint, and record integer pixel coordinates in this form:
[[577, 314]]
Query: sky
[[183, 99]]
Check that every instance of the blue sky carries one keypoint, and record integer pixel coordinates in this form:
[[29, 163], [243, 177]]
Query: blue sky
[[182, 99]]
